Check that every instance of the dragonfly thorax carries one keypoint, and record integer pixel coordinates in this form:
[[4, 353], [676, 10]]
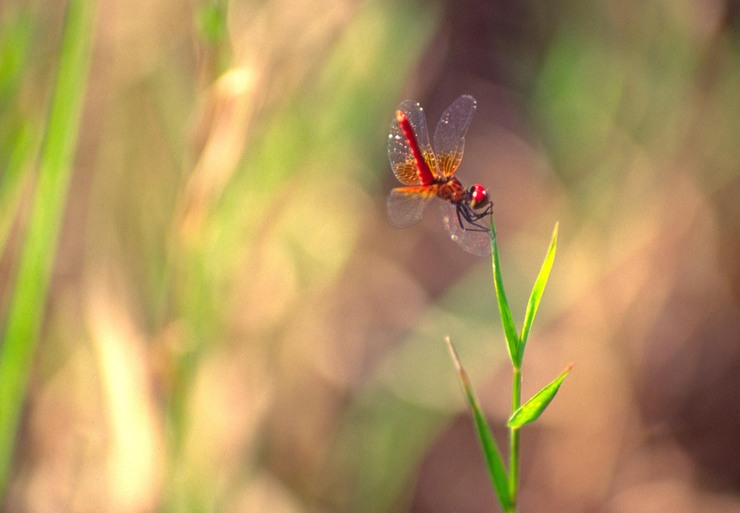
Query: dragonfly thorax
[[452, 190]]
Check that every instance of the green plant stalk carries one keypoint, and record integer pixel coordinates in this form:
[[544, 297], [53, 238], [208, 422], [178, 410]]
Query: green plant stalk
[[516, 399], [25, 315], [513, 342], [506, 482]]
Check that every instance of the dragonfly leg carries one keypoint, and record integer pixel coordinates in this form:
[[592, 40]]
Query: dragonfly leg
[[465, 214]]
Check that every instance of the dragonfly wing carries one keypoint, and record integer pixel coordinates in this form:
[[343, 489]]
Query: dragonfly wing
[[406, 205], [402, 158], [473, 239], [449, 137]]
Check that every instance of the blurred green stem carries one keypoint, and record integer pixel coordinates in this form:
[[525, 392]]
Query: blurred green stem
[[28, 303], [516, 399]]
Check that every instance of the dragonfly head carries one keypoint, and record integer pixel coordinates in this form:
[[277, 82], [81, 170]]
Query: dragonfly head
[[478, 196]]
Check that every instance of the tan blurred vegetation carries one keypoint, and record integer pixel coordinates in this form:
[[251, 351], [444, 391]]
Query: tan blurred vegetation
[[233, 326]]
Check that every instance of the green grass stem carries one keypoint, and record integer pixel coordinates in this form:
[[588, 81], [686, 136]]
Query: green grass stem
[[506, 484], [514, 441], [507, 321]]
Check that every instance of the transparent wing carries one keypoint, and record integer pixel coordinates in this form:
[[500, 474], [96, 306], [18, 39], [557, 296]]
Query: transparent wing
[[399, 152], [472, 239], [449, 137], [406, 205]]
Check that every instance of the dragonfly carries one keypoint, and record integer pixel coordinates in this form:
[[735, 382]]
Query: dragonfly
[[427, 174]]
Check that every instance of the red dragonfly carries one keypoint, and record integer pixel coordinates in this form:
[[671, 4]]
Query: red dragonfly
[[426, 174]]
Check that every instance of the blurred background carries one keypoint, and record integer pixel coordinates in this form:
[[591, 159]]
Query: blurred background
[[231, 324]]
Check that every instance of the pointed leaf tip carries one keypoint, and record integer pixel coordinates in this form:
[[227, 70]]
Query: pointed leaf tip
[[539, 288]]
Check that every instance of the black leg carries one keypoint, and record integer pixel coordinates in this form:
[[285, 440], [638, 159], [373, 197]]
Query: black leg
[[466, 213]]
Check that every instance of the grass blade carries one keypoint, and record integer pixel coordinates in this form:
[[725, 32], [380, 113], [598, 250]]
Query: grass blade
[[507, 321], [495, 464], [538, 289], [37, 257], [18, 132], [532, 409]]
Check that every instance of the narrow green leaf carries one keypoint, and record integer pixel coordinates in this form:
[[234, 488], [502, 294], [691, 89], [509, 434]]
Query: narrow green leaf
[[507, 321], [26, 309], [538, 289], [495, 464], [532, 409]]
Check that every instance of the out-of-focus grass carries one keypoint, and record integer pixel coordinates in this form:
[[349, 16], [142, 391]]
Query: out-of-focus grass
[[30, 287], [284, 225], [17, 134], [230, 324], [223, 190]]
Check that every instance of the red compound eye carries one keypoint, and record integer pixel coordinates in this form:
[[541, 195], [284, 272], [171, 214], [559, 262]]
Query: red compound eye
[[478, 196]]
